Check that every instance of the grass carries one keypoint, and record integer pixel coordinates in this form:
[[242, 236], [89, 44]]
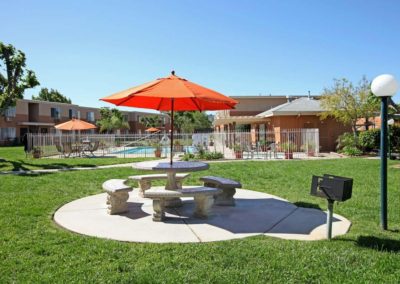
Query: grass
[[14, 159], [34, 249]]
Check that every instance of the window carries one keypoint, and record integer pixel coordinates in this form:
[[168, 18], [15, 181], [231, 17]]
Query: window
[[7, 133], [55, 112], [90, 116], [125, 117], [10, 112], [72, 113]]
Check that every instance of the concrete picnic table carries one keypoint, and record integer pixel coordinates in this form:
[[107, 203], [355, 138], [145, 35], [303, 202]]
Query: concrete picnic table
[[171, 170]]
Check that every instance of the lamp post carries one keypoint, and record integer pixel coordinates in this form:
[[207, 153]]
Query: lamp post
[[384, 86]]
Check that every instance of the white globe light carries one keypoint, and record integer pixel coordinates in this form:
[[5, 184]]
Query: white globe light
[[384, 86]]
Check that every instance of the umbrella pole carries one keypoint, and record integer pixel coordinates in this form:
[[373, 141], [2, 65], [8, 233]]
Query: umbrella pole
[[172, 129]]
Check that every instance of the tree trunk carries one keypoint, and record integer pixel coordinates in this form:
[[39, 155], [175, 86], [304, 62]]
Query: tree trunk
[[354, 128]]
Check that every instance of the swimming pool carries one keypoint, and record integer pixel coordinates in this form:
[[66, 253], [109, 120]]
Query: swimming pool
[[150, 150]]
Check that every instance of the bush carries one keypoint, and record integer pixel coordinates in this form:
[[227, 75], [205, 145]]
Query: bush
[[288, 147], [346, 140], [188, 156], [204, 155], [394, 138], [351, 151], [369, 140], [213, 155]]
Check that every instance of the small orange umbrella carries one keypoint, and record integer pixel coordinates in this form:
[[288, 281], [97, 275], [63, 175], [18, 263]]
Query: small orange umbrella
[[172, 94], [75, 124], [152, 129]]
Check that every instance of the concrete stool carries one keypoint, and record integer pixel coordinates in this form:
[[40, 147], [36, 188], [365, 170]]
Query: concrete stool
[[228, 186], [117, 195]]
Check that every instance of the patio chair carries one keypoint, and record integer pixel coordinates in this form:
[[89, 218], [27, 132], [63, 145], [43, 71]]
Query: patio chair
[[59, 148], [66, 149], [93, 148]]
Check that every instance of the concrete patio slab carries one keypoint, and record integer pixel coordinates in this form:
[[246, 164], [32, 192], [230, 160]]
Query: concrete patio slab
[[255, 213]]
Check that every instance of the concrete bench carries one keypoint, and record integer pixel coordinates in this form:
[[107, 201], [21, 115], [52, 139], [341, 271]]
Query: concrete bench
[[145, 180], [203, 198], [117, 195], [228, 186]]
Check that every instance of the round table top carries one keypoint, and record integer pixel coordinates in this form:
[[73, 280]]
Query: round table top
[[176, 166], [181, 166]]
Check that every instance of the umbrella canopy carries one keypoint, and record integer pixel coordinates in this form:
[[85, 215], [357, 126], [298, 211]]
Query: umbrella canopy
[[152, 129], [75, 124], [172, 94], [162, 93]]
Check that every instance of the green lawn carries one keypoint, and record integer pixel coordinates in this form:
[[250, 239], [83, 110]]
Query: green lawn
[[14, 159], [34, 249]]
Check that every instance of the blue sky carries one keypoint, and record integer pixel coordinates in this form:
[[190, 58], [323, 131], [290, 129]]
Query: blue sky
[[91, 49]]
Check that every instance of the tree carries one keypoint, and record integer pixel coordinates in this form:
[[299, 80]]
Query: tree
[[190, 121], [51, 96], [16, 79], [151, 121], [111, 119], [201, 121], [348, 103]]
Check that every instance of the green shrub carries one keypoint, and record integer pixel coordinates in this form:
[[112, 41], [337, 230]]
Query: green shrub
[[204, 155], [351, 151], [369, 140], [394, 138], [288, 147], [346, 140], [188, 157], [213, 155]]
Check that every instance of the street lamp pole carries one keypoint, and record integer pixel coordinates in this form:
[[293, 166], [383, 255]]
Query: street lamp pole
[[383, 146], [384, 86]]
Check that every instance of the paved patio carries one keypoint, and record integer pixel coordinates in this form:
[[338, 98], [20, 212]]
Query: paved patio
[[255, 213]]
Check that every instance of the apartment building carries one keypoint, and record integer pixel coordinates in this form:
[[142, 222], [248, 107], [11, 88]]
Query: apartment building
[[40, 117], [261, 114]]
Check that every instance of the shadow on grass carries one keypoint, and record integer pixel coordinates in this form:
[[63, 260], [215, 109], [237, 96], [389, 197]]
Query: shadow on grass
[[33, 174], [307, 205], [379, 244], [26, 166]]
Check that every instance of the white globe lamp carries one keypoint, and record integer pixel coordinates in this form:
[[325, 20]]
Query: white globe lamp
[[384, 86]]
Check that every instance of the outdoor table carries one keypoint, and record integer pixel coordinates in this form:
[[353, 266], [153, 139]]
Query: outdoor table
[[171, 170], [178, 167], [80, 149]]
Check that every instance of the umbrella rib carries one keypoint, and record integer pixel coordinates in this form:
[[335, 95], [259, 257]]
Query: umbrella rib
[[159, 104], [126, 99], [195, 103]]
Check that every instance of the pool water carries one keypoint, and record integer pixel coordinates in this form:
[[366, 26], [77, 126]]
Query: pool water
[[150, 150]]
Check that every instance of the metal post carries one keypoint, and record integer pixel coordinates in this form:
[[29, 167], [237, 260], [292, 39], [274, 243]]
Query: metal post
[[329, 219], [172, 129], [384, 163]]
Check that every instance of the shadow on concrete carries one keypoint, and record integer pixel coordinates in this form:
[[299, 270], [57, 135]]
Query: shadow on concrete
[[135, 211], [307, 205], [267, 215], [379, 244]]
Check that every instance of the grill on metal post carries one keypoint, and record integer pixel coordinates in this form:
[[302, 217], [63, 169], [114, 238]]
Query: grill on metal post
[[333, 188]]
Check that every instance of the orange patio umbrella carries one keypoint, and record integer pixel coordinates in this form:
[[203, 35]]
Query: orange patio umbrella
[[152, 129], [75, 124], [172, 94]]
